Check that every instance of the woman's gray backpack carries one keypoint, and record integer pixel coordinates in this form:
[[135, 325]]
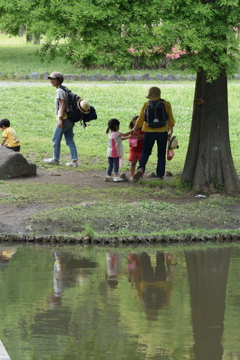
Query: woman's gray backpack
[[155, 114]]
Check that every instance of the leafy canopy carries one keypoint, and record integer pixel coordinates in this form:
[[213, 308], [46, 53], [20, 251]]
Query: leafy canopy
[[101, 32]]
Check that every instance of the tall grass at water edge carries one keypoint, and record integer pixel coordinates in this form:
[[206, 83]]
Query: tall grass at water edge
[[31, 112]]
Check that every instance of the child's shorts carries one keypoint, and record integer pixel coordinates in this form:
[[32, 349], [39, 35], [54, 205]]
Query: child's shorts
[[134, 156]]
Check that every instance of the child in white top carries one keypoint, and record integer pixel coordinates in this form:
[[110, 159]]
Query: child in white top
[[115, 149]]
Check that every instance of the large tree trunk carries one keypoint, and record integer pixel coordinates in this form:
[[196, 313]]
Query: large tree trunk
[[209, 163]]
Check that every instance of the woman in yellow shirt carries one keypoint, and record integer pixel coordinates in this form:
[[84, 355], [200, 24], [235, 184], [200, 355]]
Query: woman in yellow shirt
[[158, 134]]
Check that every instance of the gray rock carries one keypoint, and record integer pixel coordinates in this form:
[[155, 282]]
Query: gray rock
[[122, 78], [137, 77], [145, 76], [106, 77], [114, 77], [160, 77], [236, 76], [34, 76], [91, 78], [151, 175], [25, 77], [179, 77], [13, 164], [171, 77], [185, 78], [70, 77], [99, 77], [82, 77], [130, 78], [151, 78], [191, 77], [44, 75]]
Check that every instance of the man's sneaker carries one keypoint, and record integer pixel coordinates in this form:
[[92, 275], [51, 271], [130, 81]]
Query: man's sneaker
[[51, 161], [117, 179], [137, 175], [72, 164], [108, 178]]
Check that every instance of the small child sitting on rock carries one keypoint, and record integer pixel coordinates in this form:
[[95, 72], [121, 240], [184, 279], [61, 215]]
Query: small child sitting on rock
[[9, 138]]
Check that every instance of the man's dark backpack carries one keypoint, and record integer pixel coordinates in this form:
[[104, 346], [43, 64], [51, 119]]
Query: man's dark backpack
[[155, 114], [74, 114]]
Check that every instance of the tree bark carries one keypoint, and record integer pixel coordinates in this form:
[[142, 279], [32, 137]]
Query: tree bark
[[209, 163]]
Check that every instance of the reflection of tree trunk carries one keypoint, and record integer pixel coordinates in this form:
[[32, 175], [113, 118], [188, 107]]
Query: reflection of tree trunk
[[207, 275]]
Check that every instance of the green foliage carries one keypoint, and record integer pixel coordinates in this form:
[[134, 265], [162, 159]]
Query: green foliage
[[100, 32]]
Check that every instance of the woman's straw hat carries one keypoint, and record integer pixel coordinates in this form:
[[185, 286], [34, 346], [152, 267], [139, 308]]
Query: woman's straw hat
[[83, 106]]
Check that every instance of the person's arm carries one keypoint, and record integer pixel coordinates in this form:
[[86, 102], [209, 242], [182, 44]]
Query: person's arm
[[125, 137], [4, 139], [171, 120], [126, 134], [61, 112], [170, 131], [139, 136], [140, 120]]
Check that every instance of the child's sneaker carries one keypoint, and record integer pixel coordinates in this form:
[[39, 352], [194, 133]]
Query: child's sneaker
[[108, 178], [117, 179], [72, 164], [51, 161]]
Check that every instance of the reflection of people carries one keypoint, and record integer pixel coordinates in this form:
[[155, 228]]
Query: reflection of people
[[151, 284], [9, 138], [64, 125], [65, 274], [160, 135], [5, 255], [136, 146], [114, 261]]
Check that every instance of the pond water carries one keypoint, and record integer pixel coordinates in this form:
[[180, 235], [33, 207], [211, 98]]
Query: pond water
[[131, 303]]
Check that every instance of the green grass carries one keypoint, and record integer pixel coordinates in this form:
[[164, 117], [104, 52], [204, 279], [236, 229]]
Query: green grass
[[31, 112], [135, 220]]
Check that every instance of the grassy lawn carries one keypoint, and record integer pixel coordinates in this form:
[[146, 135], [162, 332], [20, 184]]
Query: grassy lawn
[[31, 112]]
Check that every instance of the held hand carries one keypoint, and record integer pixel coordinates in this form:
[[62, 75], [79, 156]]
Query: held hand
[[60, 124]]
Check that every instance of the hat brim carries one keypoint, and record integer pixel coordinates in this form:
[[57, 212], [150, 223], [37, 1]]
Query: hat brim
[[81, 109]]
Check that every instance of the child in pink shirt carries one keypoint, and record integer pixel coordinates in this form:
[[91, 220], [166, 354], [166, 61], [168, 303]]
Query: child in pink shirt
[[115, 149]]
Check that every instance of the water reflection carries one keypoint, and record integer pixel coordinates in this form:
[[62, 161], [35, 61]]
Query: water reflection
[[207, 275], [81, 303], [151, 280], [114, 261], [5, 255], [67, 271]]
